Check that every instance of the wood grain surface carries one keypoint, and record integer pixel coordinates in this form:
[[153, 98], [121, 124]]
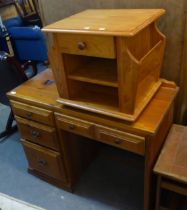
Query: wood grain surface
[[172, 25]]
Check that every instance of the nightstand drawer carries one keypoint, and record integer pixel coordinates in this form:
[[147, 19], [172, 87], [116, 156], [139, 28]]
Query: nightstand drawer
[[33, 113], [44, 160], [121, 139], [90, 45], [38, 133], [75, 125]]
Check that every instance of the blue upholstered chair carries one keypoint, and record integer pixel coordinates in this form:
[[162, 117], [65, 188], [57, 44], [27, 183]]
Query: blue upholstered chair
[[28, 41]]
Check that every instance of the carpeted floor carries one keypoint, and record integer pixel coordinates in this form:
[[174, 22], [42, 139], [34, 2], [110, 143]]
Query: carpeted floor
[[111, 182], [114, 181], [10, 203]]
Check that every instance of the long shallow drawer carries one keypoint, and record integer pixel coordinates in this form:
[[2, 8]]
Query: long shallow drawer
[[44, 160], [90, 45], [121, 139], [38, 133], [75, 125], [33, 113]]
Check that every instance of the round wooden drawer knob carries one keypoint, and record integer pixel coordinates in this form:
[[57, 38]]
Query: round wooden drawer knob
[[117, 141], [35, 134], [72, 127], [42, 162], [81, 45], [29, 114]]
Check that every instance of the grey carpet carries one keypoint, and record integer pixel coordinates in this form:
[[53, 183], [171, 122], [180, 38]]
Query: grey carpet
[[114, 181]]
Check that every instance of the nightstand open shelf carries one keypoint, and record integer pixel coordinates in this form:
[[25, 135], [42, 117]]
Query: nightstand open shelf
[[95, 97], [99, 71], [119, 54]]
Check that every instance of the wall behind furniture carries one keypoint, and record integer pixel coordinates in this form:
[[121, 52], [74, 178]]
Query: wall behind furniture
[[8, 12], [172, 25]]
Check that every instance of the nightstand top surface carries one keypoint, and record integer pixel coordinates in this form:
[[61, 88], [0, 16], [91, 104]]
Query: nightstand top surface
[[119, 22]]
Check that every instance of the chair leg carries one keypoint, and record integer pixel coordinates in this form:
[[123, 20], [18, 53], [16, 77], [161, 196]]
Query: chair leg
[[9, 128], [13, 61], [10, 121], [34, 68], [33, 65]]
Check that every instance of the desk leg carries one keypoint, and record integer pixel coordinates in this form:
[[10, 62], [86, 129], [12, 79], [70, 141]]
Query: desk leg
[[153, 147]]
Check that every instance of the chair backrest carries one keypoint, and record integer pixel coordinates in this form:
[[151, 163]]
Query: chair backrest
[[10, 76], [28, 10], [26, 7]]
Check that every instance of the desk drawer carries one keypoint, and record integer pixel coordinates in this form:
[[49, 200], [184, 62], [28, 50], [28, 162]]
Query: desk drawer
[[44, 160], [90, 45], [33, 113], [38, 133], [75, 125], [121, 139]]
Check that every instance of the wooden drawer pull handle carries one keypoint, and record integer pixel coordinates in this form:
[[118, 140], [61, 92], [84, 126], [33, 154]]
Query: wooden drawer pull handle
[[72, 127], [29, 114], [42, 162], [81, 45], [117, 141], [35, 134]]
